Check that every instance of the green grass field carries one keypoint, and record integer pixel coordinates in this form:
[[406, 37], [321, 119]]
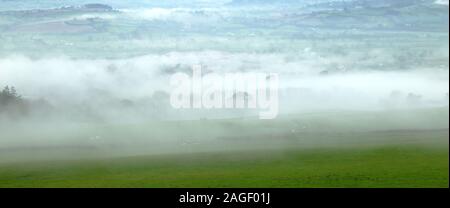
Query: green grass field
[[381, 167], [387, 166], [326, 154]]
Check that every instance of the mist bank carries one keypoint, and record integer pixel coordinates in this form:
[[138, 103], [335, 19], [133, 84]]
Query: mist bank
[[138, 89]]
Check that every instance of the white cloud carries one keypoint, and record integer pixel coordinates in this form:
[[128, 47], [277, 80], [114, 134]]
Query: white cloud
[[153, 13], [442, 2], [68, 80]]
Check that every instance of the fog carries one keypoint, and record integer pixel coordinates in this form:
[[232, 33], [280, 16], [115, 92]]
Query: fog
[[96, 81], [101, 85]]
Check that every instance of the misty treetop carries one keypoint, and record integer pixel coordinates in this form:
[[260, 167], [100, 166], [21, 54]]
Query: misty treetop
[[11, 103], [9, 95]]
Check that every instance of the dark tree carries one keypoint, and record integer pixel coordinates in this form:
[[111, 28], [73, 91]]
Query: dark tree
[[11, 102], [9, 95]]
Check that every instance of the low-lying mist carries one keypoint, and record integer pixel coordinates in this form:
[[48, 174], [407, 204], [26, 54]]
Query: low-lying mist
[[100, 108], [138, 89]]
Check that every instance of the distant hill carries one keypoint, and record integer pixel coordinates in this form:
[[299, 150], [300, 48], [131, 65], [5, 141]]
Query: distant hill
[[423, 15], [67, 10], [335, 3], [284, 2], [404, 15]]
